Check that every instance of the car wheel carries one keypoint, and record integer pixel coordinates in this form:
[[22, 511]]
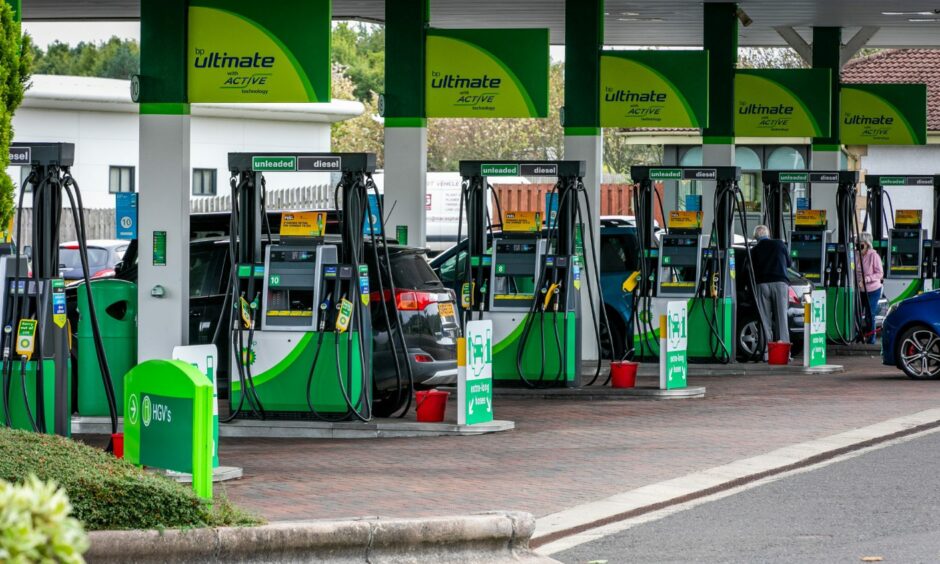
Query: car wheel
[[750, 340], [919, 353]]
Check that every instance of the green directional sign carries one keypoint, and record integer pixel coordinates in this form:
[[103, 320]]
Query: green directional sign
[[814, 342], [487, 73], [782, 103], [884, 114], [168, 420], [656, 89], [249, 51], [674, 342], [273, 164], [475, 374]]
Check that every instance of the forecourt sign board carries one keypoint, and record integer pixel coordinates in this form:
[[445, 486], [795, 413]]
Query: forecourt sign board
[[782, 103], [654, 89], [250, 51], [487, 73], [884, 114]]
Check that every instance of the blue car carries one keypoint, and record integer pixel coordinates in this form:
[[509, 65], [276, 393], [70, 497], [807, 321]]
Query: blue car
[[911, 336], [618, 257]]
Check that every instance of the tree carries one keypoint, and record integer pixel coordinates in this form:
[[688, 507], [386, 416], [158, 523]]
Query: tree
[[770, 58], [360, 50], [620, 154], [114, 58], [364, 133], [15, 65]]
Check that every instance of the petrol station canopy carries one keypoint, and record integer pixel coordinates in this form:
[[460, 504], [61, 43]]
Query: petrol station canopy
[[902, 23]]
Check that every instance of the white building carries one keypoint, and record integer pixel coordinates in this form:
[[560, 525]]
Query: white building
[[98, 116]]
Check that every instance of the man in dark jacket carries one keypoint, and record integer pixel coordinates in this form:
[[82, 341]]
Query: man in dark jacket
[[771, 260]]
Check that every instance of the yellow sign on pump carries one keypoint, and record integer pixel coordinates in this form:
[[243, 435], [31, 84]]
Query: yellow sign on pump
[[908, 217], [685, 220], [303, 224], [811, 218], [522, 221]]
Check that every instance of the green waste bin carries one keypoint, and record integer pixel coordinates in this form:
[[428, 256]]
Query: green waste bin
[[116, 306]]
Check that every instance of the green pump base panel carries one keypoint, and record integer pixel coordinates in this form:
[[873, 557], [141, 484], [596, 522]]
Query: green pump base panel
[[709, 319], [552, 343], [18, 412], [280, 366]]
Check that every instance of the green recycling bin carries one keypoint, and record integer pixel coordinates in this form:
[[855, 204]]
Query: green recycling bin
[[116, 308]]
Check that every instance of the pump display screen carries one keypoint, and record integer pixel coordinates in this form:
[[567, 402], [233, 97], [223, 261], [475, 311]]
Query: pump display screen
[[515, 267], [807, 252], [679, 265], [289, 301], [904, 252]]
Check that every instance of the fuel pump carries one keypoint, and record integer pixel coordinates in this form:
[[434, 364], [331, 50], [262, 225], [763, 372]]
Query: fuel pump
[[908, 250], [686, 265], [36, 366], [527, 279], [301, 338], [827, 261]]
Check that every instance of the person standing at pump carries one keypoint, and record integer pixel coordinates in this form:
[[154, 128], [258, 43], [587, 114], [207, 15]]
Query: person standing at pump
[[771, 261], [870, 273]]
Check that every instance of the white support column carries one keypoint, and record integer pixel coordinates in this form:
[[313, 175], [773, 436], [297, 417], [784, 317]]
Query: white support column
[[590, 149], [713, 155], [163, 321], [824, 195], [406, 164]]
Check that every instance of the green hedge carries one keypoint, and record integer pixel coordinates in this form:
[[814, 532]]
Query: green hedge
[[108, 493]]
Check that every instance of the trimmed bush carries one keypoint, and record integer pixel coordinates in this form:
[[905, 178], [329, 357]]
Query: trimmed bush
[[36, 526], [107, 493]]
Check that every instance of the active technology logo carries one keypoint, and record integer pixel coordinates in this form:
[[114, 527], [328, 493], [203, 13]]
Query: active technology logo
[[645, 104], [775, 117]]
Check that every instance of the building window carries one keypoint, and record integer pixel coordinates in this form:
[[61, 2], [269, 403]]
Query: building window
[[121, 179], [204, 182]]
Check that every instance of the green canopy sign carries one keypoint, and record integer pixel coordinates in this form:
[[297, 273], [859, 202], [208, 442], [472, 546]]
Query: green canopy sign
[[487, 73], [782, 103], [657, 89], [884, 114], [248, 51], [168, 420]]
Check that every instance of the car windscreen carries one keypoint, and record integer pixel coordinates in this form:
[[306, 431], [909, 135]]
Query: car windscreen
[[72, 258]]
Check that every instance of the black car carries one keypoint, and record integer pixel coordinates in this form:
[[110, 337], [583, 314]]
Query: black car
[[427, 308]]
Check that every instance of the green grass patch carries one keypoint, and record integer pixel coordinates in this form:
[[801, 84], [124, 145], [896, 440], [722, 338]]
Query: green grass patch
[[108, 493]]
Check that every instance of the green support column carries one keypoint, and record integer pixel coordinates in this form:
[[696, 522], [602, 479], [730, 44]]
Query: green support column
[[720, 39], [827, 155], [584, 38], [17, 6], [406, 139], [164, 178]]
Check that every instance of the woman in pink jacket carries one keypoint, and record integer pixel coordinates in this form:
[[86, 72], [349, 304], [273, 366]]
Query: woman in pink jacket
[[870, 273]]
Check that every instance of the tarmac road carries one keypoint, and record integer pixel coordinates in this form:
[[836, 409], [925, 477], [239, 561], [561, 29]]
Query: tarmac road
[[884, 503]]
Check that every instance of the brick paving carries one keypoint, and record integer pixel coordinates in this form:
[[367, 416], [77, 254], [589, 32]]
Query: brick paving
[[565, 453]]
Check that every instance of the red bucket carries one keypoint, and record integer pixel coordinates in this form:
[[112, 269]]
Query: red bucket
[[778, 353], [117, 445], [430, 405], [623, 374]]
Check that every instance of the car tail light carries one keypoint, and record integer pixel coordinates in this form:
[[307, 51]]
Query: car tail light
[[104, 273], [423, 358], [793, 298], [409, 300], [70, 246]]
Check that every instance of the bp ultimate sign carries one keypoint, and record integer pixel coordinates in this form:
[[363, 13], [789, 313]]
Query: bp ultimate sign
[[249, 51]]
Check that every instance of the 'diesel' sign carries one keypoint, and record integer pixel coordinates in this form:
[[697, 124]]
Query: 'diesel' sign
[[475, 374], [673, 342], [168, 420]]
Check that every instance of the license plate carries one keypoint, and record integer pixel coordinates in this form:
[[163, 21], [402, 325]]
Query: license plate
[[446, 309]]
